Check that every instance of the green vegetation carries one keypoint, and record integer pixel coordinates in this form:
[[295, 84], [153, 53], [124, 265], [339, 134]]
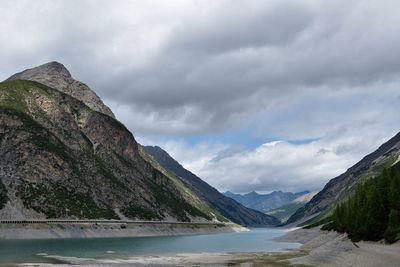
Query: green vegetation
[[13, 97], [316, 221], [116, 124], [40, 137], [210, 212], [177, 206], [3, 195], [195, 205], [105, 172], [373, 212], [283, 213], [57, 201], [14, 93], [163, 200], [135, 211]]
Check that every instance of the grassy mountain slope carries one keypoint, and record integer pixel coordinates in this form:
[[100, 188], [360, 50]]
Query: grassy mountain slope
[[284, 212]]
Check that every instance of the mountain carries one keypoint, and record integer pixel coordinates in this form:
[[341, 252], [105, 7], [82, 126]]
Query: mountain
[[55, 75], [284, 212], [343, 186], [64, 155], [265, 202], [225, 205]]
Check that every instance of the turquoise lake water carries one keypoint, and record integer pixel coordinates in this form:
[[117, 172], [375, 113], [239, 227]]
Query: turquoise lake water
[[255, 240]]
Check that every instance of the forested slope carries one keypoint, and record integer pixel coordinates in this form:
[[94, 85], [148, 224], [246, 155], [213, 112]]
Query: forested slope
[[373, 212]]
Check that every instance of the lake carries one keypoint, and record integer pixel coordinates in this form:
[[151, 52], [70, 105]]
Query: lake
[[255, 240]]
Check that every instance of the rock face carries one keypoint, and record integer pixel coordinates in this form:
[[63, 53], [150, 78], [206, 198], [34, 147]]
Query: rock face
[[67, 158], [265, 202], [339, 188], [55, 75], [225, 205]]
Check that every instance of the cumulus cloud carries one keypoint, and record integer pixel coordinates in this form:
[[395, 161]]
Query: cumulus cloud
[[276, 70], [277, 165]]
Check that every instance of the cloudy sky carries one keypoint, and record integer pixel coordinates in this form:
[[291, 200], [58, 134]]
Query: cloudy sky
[[250, 95]]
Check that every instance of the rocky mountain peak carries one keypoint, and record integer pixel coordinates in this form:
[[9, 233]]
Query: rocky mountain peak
[[48, 71], [54, 68], [57, 76]]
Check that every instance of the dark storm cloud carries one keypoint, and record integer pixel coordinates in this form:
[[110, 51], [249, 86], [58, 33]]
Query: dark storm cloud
[[299, 69], [234, 26], [213, 64], [224, 69]]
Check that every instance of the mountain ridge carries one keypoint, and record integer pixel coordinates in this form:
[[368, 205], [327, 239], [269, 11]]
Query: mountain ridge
[[226, 206], [284, 212], [341, 187], [265, 202]]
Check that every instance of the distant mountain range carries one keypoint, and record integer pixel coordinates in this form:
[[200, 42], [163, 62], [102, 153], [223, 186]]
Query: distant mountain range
[[265, 202], [228, 207], [342, 187]]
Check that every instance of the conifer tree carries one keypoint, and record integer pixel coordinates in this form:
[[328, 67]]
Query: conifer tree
[[373, 212]]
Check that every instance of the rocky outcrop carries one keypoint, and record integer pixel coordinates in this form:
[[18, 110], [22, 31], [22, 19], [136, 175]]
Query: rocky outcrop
[[55, 75], [225, 205], [63, 157], [341, 187]]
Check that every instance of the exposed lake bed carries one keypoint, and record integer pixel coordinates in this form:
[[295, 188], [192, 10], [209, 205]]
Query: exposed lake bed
[[330, 248]]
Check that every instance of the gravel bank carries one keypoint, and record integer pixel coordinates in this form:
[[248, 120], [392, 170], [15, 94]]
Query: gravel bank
[[328, 249]]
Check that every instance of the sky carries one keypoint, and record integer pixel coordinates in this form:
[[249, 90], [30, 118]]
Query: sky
[[255, 95]]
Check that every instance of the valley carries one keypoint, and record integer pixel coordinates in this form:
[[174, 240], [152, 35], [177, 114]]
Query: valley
[[71, 170]]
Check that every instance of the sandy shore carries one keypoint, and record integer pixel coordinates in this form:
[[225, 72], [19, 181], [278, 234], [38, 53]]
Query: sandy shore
[[47, 231]]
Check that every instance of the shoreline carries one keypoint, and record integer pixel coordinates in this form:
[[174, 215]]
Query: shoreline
[[98, 230], [319, 248], [183, 259], [329, 249]]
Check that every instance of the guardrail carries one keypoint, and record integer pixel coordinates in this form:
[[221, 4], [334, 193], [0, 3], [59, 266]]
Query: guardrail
[[60, 221]]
